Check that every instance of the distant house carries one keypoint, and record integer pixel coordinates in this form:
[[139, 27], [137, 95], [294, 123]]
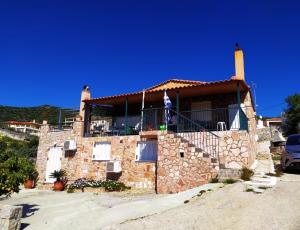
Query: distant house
[[135, 138], [274, 122], [30, 127]]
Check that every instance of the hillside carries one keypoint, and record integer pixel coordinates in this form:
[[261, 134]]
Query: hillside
[[38, 113]]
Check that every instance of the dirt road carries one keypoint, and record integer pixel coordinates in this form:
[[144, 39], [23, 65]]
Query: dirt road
[[233, 208]]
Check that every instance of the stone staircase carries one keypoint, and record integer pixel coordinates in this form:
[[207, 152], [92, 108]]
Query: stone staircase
[[261, 180], [187, 144]]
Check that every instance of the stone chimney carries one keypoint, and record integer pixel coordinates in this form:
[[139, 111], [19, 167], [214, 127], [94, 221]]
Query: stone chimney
[[239, 63], [85, 94]]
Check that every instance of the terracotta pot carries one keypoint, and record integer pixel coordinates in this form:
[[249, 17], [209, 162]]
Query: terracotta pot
[[58, 186], [28, 184]]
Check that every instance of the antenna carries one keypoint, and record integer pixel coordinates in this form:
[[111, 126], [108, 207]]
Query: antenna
[[254, 92]]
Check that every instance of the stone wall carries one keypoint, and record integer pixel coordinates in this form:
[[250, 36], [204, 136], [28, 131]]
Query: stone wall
[[235, 149], [80, 164], [181, 166], [14, 135]]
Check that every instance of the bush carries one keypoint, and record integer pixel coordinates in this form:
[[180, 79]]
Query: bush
[[108, 185], [229, 181], [246, 174], [15, 166], [112, 186], [13, 172], [214, 180]]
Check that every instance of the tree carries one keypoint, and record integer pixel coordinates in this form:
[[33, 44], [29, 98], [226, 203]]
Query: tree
[[15, 163], [293, 113]]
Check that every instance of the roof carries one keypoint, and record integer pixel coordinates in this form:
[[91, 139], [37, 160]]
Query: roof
[[23, 123], [278, 119], [173, 85]]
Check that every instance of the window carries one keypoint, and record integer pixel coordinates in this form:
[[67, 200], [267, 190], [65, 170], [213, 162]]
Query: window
[[101, 151], [146, 151]]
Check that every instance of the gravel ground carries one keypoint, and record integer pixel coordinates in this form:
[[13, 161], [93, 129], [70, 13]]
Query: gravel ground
[[232, 208]]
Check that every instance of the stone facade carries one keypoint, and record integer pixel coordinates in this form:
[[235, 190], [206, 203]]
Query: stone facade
[[80, 164], [181, 166], [235, 149]]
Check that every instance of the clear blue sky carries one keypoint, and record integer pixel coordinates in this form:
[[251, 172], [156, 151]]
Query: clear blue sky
[[50, 49]]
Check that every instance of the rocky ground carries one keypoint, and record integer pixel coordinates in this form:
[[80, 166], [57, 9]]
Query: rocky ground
[[232, 208]]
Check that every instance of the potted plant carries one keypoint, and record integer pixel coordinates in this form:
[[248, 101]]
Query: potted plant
[[30, 175], [59, 183]]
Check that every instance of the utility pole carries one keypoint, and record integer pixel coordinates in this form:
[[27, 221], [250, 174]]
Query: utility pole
[[59, 119]]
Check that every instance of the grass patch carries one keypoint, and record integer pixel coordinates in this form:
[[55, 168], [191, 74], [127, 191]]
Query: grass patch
[[249, 190], [229, 181], [278, 171], [209, 190], [246, 174]]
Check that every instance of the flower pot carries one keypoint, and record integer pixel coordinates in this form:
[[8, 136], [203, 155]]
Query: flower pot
[[28, 184], [58, 186]]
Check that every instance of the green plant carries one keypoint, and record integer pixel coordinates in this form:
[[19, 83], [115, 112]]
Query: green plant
[[108, 185], [58, 174], [111, 186], [11, 174], [249, 190], [214, 180], [229, 181], [186, 201], [70, 190], [246, 174], [292, 113], [15, 164]]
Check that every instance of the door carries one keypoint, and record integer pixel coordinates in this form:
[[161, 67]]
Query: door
[[201, 111], [53, 162]]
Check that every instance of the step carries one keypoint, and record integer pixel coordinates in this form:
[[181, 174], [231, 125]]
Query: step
[[271, 182]]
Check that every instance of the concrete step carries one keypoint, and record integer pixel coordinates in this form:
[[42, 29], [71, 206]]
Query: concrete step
[[262, 182]]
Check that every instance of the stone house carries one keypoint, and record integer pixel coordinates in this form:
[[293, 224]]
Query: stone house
[[135, 139]]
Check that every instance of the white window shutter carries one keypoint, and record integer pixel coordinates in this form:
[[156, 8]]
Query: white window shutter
[[146, 151], [101, 151], [137, 152]]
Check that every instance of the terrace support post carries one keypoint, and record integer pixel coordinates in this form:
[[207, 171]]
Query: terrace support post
[[238, 94], [126, 115], [87, 111], [177, 111]]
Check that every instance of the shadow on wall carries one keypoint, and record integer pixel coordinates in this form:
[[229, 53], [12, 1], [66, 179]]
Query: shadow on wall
[[28, 210]]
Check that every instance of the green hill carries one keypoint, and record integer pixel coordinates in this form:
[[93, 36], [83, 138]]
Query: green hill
[[38, 113]]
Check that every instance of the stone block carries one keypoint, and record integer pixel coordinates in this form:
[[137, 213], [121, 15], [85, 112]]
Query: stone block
[[10, 217]]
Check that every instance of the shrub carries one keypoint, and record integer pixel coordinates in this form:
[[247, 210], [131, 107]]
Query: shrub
[[108, 185], [15, 164], [12, 174], [111, 186], [214, 180], [246, 174], [230, 181], [58, 174]]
